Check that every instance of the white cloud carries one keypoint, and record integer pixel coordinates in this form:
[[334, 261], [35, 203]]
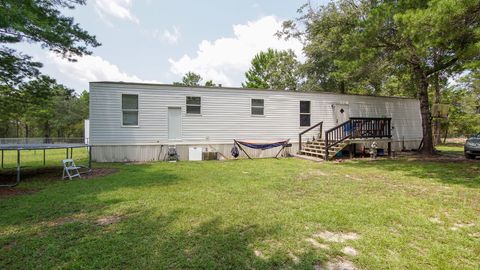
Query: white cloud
[[171, 37], [168, 36], [225, 60], [92, 68], [116, 8]]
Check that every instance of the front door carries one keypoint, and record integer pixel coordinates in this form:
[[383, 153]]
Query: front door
[[174, 123], [341, 113]]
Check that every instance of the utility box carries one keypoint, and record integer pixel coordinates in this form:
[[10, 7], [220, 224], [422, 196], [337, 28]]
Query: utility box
[[210, 155], [195, 153]]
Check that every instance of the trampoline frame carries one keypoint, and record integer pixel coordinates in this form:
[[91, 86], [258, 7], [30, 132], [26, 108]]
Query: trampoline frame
[[44, 147]]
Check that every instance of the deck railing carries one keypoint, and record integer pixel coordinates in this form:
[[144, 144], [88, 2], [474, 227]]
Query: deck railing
[[358, 128]]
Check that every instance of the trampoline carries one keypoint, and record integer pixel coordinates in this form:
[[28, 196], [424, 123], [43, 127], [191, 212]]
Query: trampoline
[[40, 146]]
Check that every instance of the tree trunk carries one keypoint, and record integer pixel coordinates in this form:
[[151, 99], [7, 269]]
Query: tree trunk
[[422, 84], [46, 132], [18, 129], [437, 127], [343, 89]]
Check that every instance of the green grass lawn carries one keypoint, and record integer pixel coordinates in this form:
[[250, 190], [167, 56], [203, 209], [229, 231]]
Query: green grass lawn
[[249, 214], [451, 148]]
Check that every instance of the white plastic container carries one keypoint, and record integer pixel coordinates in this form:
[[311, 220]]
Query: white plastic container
[[195, 153]]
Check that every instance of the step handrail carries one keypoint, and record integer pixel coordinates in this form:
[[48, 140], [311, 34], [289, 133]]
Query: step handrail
[[307, 130], [338, 131]]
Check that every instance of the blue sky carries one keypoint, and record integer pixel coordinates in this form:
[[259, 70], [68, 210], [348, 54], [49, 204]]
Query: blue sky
[[158, 41]]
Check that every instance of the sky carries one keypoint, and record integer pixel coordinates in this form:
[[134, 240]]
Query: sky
[[158, 41]]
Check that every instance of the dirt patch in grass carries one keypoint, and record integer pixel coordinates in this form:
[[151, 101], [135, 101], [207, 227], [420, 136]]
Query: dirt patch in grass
[[108, 220], [336, 264], [311, 174], [458, 226], [45, 175], [338, 237], [316, 244], [295, 259], [10, 192], [9, 176], [9, 245], [80, 217], [49, 174], [350, 251], [99, 173]]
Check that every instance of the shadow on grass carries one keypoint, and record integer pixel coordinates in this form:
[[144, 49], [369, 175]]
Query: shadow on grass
[[68, 197], [466, 173], [59, 228], [149, 241]]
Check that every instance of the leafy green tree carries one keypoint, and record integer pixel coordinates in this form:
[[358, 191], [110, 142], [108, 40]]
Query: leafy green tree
[[419, 38], [210, 83], [193, 79], [464, 119], [190, 79], [41, 22], [38, 21], [273, 69], [42, 100]]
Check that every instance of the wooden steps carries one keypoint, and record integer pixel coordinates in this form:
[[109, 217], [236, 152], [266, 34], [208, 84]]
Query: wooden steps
[[317, 149]]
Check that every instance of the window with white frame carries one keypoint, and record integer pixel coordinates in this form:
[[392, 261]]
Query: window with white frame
[[129, 110], [305, 113], [258, 106], [194, 105]]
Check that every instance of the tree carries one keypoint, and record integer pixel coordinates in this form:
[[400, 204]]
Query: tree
[[193, 79], [273, 69], [33, 21], [210, 83], [38, 21], [419, 38], [464, 97]]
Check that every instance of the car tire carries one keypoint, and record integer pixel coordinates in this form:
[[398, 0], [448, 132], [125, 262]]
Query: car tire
[[468, 156]]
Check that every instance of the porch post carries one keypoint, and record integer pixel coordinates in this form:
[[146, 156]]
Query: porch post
[[390, 149]]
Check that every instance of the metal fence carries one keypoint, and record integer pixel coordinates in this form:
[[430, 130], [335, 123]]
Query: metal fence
[[41, 140]]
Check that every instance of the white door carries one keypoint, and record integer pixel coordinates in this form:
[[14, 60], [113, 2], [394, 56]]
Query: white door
[[341, 113], [174, 123]]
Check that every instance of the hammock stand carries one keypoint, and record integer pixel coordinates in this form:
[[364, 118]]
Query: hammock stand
[[262, 146]]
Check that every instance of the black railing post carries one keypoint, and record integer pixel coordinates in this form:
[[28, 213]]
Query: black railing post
[[299, 142], [321, 129]]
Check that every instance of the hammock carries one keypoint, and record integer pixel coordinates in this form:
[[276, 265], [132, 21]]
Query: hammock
[[261, 145]]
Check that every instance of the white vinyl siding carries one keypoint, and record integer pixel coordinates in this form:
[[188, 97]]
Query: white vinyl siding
[[129, 110], [226, 114], [258, 106]]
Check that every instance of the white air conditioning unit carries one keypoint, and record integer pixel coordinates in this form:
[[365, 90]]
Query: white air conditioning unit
[[195, 153]]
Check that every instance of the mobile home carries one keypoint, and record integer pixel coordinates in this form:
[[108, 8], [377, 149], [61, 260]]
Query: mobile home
[[139, 122]]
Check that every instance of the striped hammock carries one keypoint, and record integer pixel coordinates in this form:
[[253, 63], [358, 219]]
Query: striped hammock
[[262, 145]]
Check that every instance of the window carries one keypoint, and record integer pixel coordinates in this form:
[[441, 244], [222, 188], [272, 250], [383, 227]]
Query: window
[[129, 110], [257, 107], [194, 105], [304, 113]]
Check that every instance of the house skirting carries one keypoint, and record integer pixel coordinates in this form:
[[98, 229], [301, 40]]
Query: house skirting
[[146, 153]]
